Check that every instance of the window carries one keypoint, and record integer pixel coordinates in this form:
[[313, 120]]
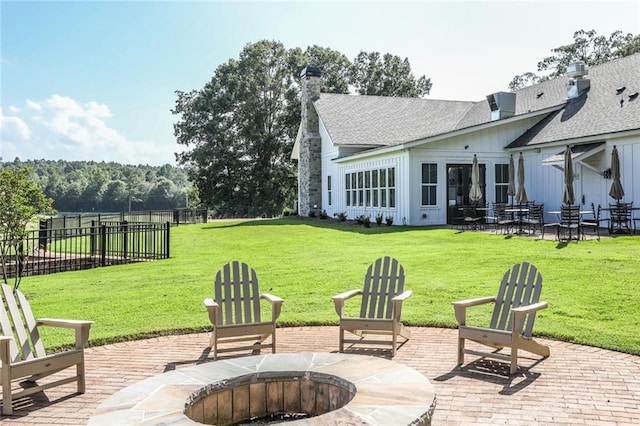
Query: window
[[383, 187], [329, 190], [347, 186], [354, 187], [392, 186], [429, 183], [502, 183], [360, 189], [374, 186], [369, 188]]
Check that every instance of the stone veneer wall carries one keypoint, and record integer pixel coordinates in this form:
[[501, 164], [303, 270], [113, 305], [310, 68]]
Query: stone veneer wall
[[309, 162], [249, 397]]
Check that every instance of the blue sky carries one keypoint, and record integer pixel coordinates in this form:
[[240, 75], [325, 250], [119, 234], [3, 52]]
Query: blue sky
[[96, 80]]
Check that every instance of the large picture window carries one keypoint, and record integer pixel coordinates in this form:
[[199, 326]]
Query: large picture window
[[429, 184], [502, 183], [370, 188]]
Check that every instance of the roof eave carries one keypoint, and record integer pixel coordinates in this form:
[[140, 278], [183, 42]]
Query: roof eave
[[459, 132], [577, 141]]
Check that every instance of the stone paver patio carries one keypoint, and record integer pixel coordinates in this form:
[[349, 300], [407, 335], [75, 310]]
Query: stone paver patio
[[576, 385]]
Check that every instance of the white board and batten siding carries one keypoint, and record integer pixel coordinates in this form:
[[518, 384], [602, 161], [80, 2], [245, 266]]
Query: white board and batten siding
[[487, 144], [544, 184]]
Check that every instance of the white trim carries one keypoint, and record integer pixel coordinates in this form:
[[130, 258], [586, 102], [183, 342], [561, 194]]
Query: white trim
[[577, 141], [557, 160]]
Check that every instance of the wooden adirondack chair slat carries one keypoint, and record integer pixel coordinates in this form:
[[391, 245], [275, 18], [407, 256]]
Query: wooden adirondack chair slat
[[379, 315], [235, 310], [22, 351], [511, 324]]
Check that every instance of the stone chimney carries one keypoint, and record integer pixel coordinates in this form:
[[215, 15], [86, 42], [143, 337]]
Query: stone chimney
[[309, 160]]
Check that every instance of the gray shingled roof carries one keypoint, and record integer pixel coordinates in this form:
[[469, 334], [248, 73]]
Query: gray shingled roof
[[598, 111], [529, 99], [385, 120]]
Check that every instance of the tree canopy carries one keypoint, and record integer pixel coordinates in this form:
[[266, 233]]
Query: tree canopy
[[239, 129], [588, 47]]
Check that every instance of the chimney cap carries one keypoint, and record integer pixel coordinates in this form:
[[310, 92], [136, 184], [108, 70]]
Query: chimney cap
[[310, 71]]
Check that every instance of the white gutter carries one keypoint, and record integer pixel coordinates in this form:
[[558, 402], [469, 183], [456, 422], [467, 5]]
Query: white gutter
[[578, 141]]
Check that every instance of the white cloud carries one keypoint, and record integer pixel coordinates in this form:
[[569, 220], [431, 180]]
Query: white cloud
[[13, 129], [67, 129], [33, 105], [14, 132], [14, 109]]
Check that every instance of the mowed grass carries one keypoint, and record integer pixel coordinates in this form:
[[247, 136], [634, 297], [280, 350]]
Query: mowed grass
[[593, 287]]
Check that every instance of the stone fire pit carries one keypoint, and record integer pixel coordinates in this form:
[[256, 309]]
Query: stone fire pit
[[329, 388]]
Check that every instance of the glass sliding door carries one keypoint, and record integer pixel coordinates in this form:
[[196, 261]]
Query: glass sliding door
[[458, 187]]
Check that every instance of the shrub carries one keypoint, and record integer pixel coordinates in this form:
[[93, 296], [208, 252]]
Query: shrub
[[288, 211], [312, 213], [341, 216], [389, 220], [323, 214], [364, 220], [379, 219]]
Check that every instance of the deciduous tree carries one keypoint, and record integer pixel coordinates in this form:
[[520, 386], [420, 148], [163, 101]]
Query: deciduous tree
[[21, 200], [240, 128], [386, 75]]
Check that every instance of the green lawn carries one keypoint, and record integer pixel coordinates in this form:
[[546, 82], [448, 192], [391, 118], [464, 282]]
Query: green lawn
[[592, 286]]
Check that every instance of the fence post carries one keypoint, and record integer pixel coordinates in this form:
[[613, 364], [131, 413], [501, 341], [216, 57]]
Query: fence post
[[125, 238], [42, 235], [166, 241], [92, 239], [103, 245]]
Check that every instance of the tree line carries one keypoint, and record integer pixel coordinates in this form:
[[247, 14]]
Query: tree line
[[89, 186]]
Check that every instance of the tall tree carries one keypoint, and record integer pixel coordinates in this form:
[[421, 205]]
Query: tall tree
[[239, 129], [335, 67], [388, 75], [240, 133], [588, 47]]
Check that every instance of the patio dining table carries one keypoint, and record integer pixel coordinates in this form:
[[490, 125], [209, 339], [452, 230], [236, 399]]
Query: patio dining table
[[521, 213], [630, 218]]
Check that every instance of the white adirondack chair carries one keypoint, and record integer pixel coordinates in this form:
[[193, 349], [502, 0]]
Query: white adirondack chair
[[513, 316], [22, 352], [381, 306], [235, 310]]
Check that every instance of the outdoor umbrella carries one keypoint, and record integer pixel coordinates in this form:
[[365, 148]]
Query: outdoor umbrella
[[511, 189], [475, 194], [521, 195], [616, 191], [568, 197]]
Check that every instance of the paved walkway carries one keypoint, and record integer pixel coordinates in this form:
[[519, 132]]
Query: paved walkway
[[576, 385]]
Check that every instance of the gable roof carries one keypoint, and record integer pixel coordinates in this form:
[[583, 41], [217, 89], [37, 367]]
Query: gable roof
[[381, 121], [597, 112], [385, 120]]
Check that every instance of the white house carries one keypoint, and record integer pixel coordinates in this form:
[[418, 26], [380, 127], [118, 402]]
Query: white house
[[411, 158]]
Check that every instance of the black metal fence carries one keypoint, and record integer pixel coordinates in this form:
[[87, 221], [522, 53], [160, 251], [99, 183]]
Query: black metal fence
[[50, 250], [175, 217]]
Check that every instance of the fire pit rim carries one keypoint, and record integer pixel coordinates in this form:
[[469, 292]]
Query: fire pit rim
[[386, 391]]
